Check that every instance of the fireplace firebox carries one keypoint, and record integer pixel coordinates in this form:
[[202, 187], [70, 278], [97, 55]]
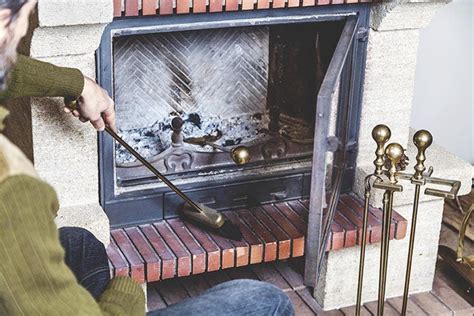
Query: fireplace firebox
[[286, 84]]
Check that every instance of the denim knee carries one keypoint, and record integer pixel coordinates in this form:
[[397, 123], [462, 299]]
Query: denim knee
[[76, 234], [262, 292]]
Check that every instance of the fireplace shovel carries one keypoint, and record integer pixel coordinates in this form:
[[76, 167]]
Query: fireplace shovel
[[196, 212]]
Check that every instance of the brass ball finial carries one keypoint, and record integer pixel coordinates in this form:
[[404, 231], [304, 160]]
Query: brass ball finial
[[381, 133], [422, 139], [394, 153], [240, 155]]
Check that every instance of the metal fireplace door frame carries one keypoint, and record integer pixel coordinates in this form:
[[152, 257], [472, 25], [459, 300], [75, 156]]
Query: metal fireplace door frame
[[343, 73]]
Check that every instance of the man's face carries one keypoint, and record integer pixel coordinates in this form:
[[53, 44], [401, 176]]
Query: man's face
[[12, 30]]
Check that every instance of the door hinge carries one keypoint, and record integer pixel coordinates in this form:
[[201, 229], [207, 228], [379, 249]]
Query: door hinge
[[333, 143], [362, 34]]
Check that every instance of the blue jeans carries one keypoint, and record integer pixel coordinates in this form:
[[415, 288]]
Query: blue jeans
[[87, 259], [233, 298]]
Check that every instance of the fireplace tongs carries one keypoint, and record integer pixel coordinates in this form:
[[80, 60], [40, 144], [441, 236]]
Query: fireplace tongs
[[196, 212]]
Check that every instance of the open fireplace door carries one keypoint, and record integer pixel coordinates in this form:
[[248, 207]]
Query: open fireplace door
[[330, 151]]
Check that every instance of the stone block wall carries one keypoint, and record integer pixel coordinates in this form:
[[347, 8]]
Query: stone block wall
[[64, 149]]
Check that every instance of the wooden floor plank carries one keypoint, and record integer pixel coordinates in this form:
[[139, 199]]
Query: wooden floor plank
[[168, 259], [449, 297], [255, 244], [299, 305], [241, 273], [216, 278], [412, 308], [389, 310], [430, 304], [152, 261], [306, 296], [182, 255], [350, 311], [198, 254], [291, 276], [194, 284], [137, 267], [270, 242], [266, 272], [171, 291], [154, 299]]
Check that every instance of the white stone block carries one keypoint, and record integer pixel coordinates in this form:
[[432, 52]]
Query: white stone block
[[399, 15], [85, 63], [66, 40], [90, 216], [72, 12], [65, 152], [445, 165], [388, 88], [338, 282]]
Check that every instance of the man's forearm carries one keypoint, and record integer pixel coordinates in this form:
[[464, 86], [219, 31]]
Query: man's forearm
[[34, 78]]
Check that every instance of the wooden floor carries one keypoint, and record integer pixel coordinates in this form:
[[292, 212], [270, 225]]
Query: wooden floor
[[271, 232], [446, 298]]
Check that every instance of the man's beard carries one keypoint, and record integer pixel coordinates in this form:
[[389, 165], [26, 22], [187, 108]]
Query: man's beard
[[7, 61]]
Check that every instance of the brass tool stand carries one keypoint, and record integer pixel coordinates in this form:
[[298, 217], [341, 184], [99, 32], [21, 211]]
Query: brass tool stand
[[386, 177]]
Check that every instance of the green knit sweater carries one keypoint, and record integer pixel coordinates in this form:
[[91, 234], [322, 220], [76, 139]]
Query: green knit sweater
[[34, 279]]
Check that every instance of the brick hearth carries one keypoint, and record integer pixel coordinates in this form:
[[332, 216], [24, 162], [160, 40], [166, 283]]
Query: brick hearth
[[272, 232], [166, 7]]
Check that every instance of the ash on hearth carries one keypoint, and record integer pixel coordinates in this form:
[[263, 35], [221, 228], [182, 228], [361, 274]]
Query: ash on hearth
[[152, 140]]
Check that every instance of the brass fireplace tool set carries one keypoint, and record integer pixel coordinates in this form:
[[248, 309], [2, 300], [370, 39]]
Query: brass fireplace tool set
[[390, 161]]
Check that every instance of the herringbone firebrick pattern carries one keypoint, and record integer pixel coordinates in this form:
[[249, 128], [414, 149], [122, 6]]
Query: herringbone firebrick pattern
[[218, 72]]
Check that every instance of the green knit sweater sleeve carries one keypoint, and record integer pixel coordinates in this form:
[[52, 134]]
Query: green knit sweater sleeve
[[34, 78], [34, 280]]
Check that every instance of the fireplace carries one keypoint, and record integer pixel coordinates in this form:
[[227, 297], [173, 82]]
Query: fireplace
[[240, 79], [285, 84]]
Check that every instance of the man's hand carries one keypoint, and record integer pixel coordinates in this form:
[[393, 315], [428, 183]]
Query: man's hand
[[94, 105]]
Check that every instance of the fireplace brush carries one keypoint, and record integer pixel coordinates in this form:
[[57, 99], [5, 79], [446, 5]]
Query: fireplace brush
[[386, 176], [197, 212]]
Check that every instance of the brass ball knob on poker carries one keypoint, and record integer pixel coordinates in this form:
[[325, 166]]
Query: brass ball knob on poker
[[381, 134], [394, 153], [422, 140]]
